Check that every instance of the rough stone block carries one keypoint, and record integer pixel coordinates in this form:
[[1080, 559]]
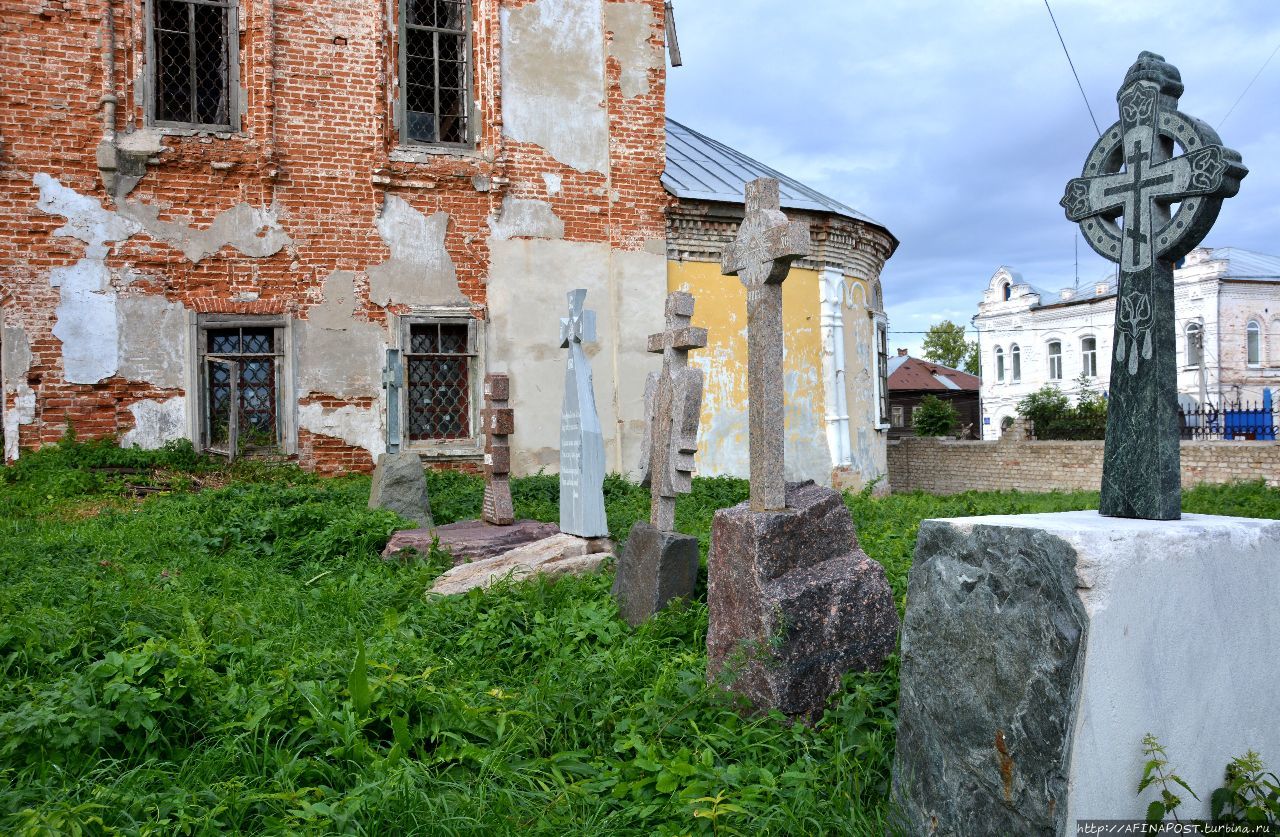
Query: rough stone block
[[400, 485], [554, 556], [470, 540], [794, 603], [654, 568], [1038, 650]]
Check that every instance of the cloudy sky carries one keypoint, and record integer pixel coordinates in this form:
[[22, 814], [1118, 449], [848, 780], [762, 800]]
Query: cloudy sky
[[957, 123]]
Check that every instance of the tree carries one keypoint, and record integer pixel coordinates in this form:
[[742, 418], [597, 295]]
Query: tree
[[944, 343], [934, 417], [1050, 410]]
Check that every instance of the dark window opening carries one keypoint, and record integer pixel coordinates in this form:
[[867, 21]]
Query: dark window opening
[[193, 56], [435, 77], [438, 367], [241, 376]]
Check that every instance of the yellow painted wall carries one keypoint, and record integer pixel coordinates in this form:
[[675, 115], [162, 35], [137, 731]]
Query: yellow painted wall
[[721, 308]]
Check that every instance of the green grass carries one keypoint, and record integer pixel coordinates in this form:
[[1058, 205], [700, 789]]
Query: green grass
[[237, 659]]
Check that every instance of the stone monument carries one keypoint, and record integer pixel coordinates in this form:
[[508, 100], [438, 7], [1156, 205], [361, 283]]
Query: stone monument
[[499, 424], [659, 564], [1131, 174], [794, 603], [581, 441], [1038, 650], [400, 484]]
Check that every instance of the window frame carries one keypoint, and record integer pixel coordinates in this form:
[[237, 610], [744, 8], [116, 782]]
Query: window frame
[[1015, 364], [402, 73], [1253, 343], [1000, 365], [286, 428], [896, 420], [469, 446], [1089, 357], [1194, 360], [882, 372], [1055, 359], [233, 70]]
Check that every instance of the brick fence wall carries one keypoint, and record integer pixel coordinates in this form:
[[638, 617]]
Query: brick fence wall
[[1015, 463]]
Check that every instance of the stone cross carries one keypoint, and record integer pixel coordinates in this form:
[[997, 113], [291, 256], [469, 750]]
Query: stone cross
[[581, 440], [673, 402], [499, 423], [761, 256], [1132, 176]]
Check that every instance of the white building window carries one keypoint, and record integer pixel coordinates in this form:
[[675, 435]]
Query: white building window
[[1055, 361], [1089, 357], [1015, 362], [1275, 342], [1253, 343], [1006, 291], [1195, 344], [999, 365]]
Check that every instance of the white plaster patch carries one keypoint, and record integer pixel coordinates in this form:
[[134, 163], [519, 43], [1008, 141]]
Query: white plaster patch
[[632, 27], [156, 422], [21, 410], [420, 270], [87, 322], [254, 231], [152, 341], [554, 80], [554, 183], [357, 426], [520, 218], [87, 220]]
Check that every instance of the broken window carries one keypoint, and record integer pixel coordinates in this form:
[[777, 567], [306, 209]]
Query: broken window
[[193, 58], [242, 367], [435, 71], [440, 370]]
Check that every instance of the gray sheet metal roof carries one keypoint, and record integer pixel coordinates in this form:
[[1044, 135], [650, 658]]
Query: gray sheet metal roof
[[1246, 264], [700, 168]]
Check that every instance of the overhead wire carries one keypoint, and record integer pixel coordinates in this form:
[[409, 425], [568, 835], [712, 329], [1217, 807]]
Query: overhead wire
[[1067, 52], [1256, 75]]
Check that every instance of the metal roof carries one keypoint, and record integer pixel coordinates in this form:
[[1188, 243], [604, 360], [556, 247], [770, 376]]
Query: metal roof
[[700, 168], [1246, 264]]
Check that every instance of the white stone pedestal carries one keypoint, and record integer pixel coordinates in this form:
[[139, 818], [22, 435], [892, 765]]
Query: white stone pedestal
[[1038, 650]]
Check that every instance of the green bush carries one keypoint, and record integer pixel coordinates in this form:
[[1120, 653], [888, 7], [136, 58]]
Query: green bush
[[934, 417], [1054, 417]]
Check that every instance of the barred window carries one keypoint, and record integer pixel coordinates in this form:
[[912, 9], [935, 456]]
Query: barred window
[[193, 59], [438, 368], [435, 71], [242, 366]]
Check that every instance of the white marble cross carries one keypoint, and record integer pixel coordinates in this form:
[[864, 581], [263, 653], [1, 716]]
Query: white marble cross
[[582, 510], [761, 256], [673, 401]]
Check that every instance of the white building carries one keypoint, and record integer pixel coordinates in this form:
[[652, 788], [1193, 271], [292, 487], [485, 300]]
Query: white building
[[1228, 332]]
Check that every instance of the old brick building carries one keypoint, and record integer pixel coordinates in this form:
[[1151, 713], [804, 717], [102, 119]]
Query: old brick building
[[310, 228]]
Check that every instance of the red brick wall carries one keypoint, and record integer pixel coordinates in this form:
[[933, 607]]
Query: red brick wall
[[315, 143]]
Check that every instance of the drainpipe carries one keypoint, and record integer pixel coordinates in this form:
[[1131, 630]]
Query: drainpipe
[[108, 100], [833, 368], [269, 155]]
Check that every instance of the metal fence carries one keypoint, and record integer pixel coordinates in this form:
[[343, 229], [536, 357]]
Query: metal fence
[[1245, 421]]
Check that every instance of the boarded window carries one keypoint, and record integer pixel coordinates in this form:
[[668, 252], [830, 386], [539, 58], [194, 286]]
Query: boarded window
[[435, 71], [193, 56], [438, 369]]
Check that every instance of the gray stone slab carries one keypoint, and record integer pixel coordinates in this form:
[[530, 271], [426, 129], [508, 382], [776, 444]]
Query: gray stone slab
[[400, 485], [761, 257], [1039, 650], [654, 568], [581, 439], [469, 540], [794, 603], [1132, 176]]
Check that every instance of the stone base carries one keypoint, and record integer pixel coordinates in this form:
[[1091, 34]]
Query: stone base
[[794, 603], [654, 568], [1039, 649], [470, 540], [400, 485], [554, 556]]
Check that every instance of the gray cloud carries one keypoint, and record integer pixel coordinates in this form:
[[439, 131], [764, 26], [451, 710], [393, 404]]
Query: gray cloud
[[958, 124]]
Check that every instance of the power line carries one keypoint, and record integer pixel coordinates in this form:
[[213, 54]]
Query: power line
[[1073, 68], [1250, 84]]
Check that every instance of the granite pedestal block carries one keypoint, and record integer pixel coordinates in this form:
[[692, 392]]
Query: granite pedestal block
[[655, 567], [794, 603], [1038, 650]]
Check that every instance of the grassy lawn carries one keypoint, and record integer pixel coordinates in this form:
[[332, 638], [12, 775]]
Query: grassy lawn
[[229, 655]]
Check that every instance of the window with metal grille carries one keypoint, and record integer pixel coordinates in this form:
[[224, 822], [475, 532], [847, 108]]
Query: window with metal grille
[[438, 368], [435, 71], [241, 399], [193, 59]]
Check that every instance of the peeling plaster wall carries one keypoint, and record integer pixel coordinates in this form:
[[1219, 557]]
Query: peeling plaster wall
[[19, 400], [523, 218], [867, 444], [632, 26], [359, 427], [554, 82], [156, 422], [721, 308], [152, 344], [253, 231], [420, 270], [337, 354], [527, 286]]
